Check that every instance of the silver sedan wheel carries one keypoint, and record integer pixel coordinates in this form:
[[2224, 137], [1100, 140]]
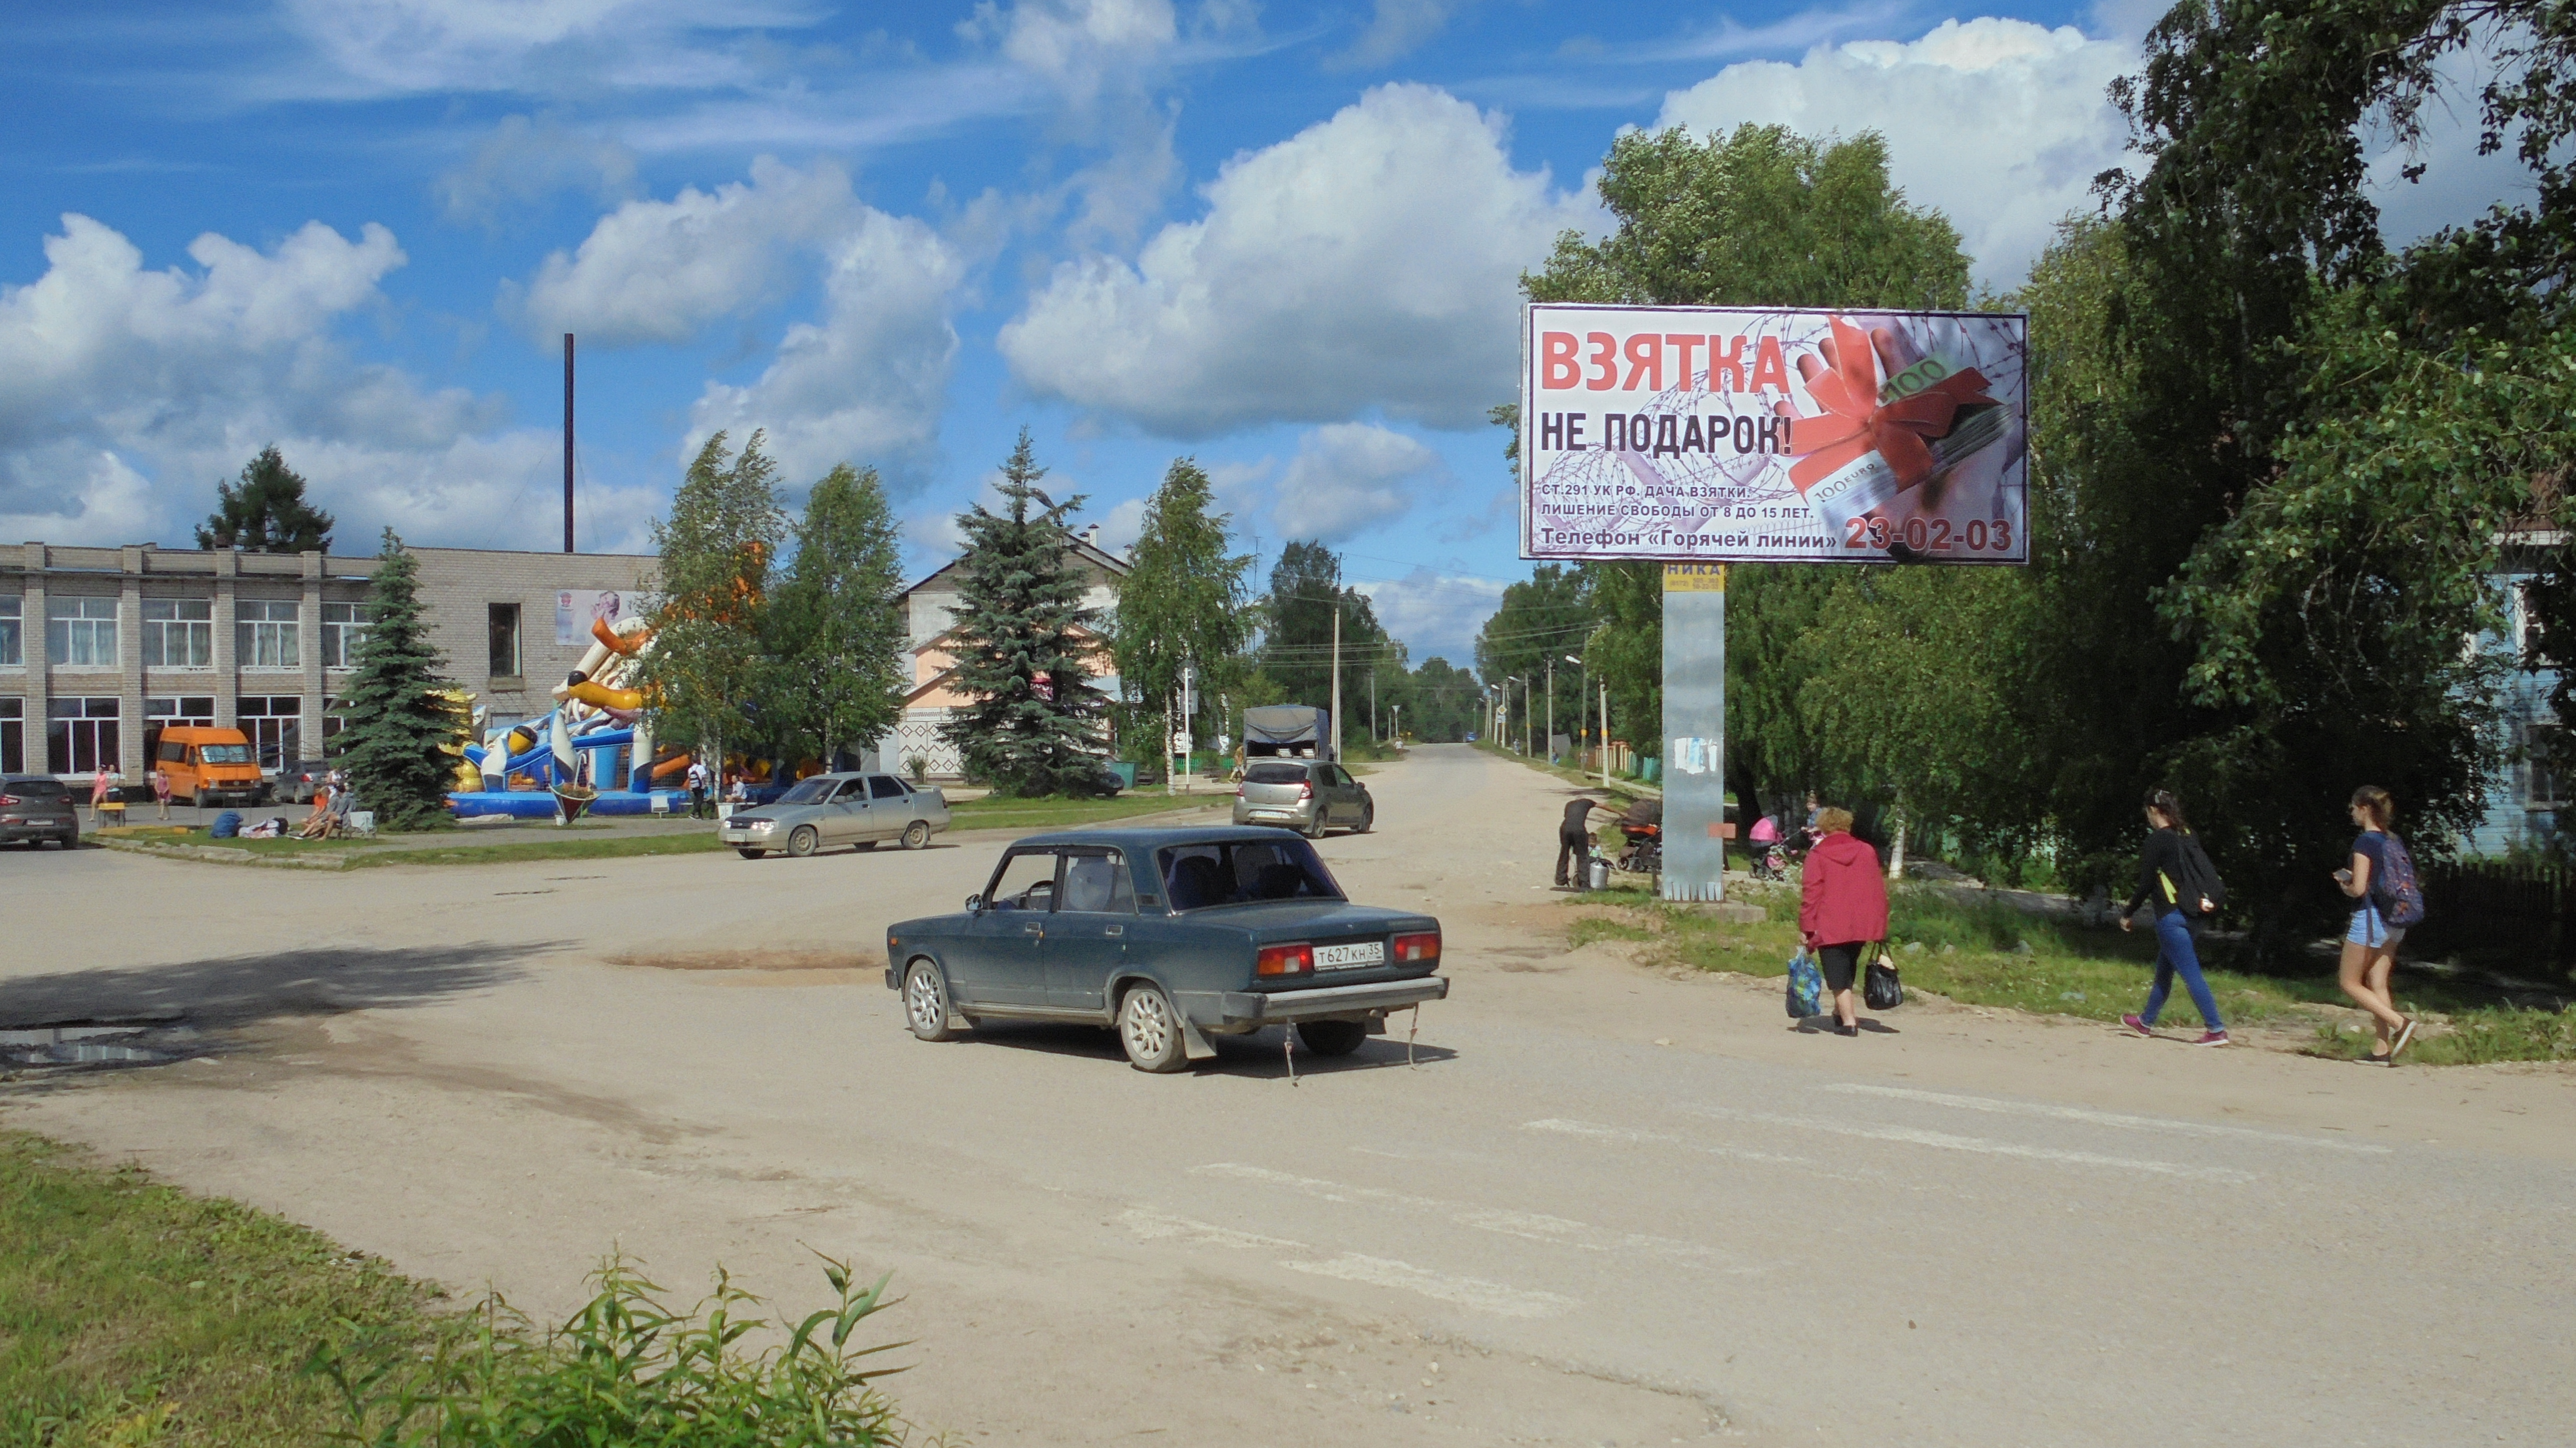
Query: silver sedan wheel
[[1150, 1030], [916, 835], [925, 1002]]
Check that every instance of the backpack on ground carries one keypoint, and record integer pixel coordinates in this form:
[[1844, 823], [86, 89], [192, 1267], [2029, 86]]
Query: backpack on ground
[[2199, 880], [1806, 986], [2394, 887]]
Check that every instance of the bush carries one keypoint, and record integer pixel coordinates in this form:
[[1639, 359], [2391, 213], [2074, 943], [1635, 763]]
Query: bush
[[625, 1370]]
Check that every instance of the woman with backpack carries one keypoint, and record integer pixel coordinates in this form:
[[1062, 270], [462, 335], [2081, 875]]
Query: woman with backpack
[[2381, 878], [2175, 874]]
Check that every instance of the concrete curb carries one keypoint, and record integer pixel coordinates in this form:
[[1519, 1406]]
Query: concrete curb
[[220, 855]]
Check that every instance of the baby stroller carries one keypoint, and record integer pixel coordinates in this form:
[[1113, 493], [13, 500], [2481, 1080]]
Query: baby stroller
[[1770, 857], [1643, 826]]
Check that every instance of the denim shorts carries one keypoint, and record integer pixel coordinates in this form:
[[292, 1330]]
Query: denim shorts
[[2369, 930]]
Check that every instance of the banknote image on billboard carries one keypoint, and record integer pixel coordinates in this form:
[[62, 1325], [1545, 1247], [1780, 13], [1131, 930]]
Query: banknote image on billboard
[[1743, 434]]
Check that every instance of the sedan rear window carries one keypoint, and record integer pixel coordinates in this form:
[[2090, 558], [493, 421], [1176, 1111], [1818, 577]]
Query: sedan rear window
[[34, 788], [1275, 774], [1244, 872]]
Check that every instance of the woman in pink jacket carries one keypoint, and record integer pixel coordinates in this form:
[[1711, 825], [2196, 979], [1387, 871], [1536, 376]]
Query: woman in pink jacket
[[1842, 909]]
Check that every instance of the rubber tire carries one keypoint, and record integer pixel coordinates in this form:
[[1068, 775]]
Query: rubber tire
[[1150, 1030], [1331, 1038], [916, 836], [1318, 829], [1368, 818], [748, 852], [925, 1002], [802, 840]]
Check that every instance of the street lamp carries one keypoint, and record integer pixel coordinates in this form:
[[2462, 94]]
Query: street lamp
[[1508, 681]]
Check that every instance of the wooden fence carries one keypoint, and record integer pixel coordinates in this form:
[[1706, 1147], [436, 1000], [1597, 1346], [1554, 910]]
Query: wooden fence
[[2511, 915]]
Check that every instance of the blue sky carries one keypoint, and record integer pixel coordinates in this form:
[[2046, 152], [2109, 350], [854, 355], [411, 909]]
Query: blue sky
[[1279, 237]]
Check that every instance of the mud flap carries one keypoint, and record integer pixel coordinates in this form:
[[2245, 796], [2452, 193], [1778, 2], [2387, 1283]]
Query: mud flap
[[1194, 1042]]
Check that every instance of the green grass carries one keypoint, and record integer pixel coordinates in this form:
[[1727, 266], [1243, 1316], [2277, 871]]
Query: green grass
[[1986, 953], [134, 1314], [1629, 788], [467, 850]]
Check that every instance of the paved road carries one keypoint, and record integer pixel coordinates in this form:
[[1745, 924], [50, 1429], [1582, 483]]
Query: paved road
[[1609, 1204]]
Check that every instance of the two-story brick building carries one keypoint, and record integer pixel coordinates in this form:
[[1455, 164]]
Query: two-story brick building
[[102, 647]]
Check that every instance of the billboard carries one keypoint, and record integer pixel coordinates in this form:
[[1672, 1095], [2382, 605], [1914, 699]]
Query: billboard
[[1749, 434], [576, 607]]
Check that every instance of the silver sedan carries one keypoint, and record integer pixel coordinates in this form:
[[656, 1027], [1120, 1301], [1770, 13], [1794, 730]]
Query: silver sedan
[[823, 810]]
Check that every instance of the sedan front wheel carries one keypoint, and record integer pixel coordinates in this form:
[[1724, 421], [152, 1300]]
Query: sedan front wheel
[[925, 1002], [1151, 1030]]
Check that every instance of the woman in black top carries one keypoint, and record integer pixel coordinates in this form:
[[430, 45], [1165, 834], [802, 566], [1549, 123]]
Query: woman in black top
[[2162, 877], [2370, 944]]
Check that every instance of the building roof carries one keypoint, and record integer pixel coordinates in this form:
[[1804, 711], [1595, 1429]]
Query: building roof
[[1089, 552]]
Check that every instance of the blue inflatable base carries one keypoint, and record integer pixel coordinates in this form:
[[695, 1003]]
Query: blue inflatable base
[[538, 804]]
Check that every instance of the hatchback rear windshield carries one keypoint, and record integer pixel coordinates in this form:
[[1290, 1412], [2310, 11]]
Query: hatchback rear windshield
[[1275, 774], [809, 791], [1243, 872], [224, 753], [33, 788]]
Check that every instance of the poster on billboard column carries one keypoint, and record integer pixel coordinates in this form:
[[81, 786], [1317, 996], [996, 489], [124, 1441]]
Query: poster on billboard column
[[1761, 435]]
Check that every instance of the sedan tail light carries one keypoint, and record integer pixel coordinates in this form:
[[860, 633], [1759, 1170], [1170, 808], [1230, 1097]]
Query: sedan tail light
[[10, 799], [1306, 791], [1284, 959], [1418, 948]]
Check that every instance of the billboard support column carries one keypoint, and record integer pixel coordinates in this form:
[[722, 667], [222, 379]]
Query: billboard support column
[[1694, 731]]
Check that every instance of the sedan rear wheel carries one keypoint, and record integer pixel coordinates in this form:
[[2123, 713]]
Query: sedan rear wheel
[[1150, 1030], [1331, 1038], [801, 842], [1316, 830], [916, 836], [925, 1002]]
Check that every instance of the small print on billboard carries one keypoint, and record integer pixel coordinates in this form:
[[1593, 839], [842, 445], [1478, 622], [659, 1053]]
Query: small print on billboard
[[1742, 434], [576, 608]]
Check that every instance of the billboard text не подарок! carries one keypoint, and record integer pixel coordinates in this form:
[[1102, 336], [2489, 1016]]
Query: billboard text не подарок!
[[1766, 435]]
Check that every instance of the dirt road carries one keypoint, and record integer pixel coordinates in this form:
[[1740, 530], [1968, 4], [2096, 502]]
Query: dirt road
[[1607, 1206]]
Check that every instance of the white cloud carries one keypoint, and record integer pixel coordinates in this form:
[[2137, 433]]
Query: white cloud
[[866, 384], [1369, 261], [659, 271], [1393, 32], [1081, 45], [1122, 525], [1345, 479], [1436, 614], [376, 47], [524, 160], [125, 393], [2001, 124]]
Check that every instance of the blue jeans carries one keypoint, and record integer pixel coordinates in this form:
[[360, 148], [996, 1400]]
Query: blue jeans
[[2175, 952]]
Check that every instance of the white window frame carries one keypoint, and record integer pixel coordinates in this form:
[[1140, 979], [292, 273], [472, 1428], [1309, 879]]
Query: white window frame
[[76, 627], [267, 633], [276, 740], [344, 627], [187, 622], [13, 635]]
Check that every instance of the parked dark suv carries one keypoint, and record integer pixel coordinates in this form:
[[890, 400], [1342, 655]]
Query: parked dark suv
[[36, 807]]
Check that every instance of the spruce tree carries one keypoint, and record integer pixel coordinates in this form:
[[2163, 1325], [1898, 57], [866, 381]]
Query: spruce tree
[[1023, 644], [399, 726], [265, 512]]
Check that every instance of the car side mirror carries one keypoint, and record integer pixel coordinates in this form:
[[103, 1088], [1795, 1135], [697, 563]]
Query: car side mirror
[[974, 904]]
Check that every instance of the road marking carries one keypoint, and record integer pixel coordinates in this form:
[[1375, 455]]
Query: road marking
[[2100, 1118], [1474, 1292], [1599, 1132], [1944, 1141], [1529, 1226]]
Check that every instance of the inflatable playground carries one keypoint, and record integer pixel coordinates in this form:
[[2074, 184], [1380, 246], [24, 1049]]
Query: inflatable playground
[[592, 753]]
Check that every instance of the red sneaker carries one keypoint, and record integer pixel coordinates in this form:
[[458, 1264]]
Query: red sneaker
[[2137, 1027], [2212, 1038]]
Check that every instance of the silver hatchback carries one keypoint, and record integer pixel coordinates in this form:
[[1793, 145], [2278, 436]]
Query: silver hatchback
[[826, 810], [1309, 796]]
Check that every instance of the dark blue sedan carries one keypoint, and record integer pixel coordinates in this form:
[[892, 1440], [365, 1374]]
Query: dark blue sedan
[[1171, 936]]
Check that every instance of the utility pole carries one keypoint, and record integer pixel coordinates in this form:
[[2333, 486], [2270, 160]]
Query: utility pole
[[567, 442], [1605, 734], [1336, 716], [1551, 709]]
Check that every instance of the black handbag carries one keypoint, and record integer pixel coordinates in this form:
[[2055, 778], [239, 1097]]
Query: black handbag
[[1880, 985]]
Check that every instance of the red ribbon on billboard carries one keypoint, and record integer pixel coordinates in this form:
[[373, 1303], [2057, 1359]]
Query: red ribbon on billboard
[[1855, 424]]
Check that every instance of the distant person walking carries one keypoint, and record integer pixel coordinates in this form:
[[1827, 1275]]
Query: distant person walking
[[1842, 908], [161, 789], [2172, 873], [101, 785], [2379, 867], [1574, 839], [697, 788]]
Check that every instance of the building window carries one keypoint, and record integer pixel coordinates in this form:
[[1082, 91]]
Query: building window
[[13, 649], [81, 632], [344, 626], [80, 735], [178, 633], [335, 724], [13, 736], [505, 641], [2543, 764], [274, 724], [160, 714], [264, 635]]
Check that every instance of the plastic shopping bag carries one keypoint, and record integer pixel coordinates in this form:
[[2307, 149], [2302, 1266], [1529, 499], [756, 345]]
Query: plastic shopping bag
[[1806, 986]]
